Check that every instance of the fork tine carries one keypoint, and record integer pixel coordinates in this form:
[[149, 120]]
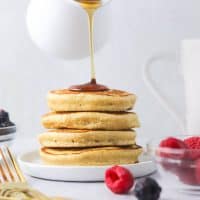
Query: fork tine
[[2, 177], [10, 166], [4, 169], [16, 166]]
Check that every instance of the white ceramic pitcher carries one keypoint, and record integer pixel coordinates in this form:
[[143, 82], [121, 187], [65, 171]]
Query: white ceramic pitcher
[[190, 69], [60, 27]]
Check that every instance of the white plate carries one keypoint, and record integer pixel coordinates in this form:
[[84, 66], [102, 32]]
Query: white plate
[[31, 165]]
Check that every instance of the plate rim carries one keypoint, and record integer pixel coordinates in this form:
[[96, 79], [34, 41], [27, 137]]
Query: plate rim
[[32, 164], [36, 170]]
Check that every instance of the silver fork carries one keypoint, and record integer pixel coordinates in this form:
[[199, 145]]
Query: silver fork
[[9, 168]]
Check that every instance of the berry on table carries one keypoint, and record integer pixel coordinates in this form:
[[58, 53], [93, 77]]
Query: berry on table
[[119, 179], [147, 189]]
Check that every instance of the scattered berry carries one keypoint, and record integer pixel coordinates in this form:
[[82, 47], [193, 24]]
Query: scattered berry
[[119, 180], [193, 143], [147, 189], [172, 143]]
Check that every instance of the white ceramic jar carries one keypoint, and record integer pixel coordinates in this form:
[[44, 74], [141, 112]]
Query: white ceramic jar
[[60, 27]]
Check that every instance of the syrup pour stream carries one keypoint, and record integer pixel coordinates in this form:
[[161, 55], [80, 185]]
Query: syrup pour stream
[[90, 6]]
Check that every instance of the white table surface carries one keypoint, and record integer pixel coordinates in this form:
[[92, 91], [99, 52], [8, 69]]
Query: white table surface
[[87, 191]]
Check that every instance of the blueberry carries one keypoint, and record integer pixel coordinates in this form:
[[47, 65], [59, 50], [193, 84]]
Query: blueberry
[[147, 189]]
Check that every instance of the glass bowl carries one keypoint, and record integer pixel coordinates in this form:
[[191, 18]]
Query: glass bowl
[[7, 135], [179, 168]]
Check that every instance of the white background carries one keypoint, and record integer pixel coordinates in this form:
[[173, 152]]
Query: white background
[[140, 30]]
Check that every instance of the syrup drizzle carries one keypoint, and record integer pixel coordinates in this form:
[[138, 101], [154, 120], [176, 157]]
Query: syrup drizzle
[[90, 6]]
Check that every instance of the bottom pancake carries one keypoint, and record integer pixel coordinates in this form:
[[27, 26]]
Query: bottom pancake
[[91, 156]]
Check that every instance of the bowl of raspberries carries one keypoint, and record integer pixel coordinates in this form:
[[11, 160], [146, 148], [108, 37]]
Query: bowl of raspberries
[[7, 128], [178, 161]]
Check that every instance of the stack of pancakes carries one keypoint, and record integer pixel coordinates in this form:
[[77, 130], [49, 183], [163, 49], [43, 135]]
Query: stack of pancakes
[[90, 128]]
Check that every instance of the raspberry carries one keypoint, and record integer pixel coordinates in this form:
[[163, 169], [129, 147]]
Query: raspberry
[[119, 180], [193, 143], [172, 143], [186, 172], [170, 166], [188, 177], [197, 170]]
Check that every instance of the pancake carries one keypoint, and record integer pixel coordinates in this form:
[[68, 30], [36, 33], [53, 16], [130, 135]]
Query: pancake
[[91, 120], [91, 156], [111, 100], [86, 138]]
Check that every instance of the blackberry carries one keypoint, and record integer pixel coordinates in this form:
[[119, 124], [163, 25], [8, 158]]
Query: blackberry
[[4, 119], [4, 116], [147, 189]]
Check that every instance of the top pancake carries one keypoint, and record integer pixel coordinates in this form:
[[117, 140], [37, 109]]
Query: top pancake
[[111, 100]]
